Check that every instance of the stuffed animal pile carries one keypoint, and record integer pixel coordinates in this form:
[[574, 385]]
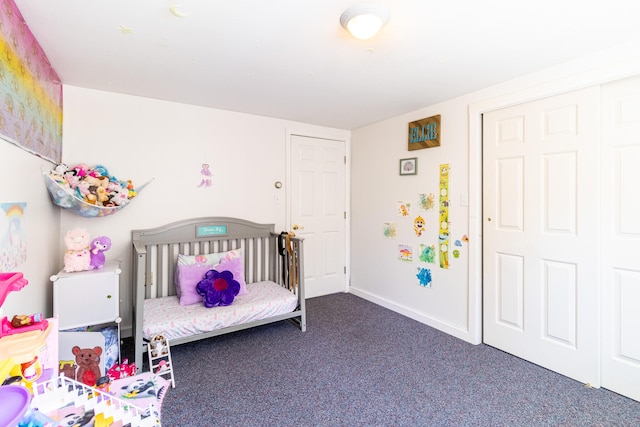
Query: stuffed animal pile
[[83, 253], [94, 185]]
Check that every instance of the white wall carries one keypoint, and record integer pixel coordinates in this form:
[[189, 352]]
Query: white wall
[[376, 272], [140, 139], [21, 181], [453, 304]]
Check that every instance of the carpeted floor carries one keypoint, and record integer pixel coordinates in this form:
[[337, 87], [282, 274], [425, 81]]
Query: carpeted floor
[[360, 364]]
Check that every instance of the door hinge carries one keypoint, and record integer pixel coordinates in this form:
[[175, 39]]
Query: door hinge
[[345, 214], [345, 160], [345, 269]]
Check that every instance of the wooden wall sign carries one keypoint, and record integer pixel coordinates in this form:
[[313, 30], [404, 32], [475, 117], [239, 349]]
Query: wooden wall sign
[[424, 133]]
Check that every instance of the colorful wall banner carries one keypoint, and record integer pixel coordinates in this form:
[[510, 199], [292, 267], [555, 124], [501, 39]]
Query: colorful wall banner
[[30, 89]]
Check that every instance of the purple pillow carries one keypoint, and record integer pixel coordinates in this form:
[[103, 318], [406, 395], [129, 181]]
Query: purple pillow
[[235, 266], [187, 277]]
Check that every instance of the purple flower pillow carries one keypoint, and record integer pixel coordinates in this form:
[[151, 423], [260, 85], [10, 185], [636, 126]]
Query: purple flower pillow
[[235, 266], [218, 288]]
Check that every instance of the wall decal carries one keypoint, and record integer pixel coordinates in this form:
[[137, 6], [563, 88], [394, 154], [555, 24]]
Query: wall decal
[[424, 277], [206, 176], [390, 230], [405, 252], [428, 253], [426, 202], [404, 209], [444, 216], [418, 225]]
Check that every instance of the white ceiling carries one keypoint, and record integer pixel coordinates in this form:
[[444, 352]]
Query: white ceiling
[[291, 59]]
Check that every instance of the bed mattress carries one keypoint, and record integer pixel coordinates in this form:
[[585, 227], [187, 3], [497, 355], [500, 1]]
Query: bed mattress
[[167, 317]]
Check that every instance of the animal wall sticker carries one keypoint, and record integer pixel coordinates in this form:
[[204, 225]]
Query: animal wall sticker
[[418, 225]]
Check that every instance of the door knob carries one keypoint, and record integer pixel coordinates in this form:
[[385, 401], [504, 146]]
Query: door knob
[[298, 227]]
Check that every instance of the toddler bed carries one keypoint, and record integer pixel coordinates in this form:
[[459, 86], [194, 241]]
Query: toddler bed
[[168, 261]]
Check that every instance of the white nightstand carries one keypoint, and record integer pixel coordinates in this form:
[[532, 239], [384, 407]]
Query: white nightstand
[[87, 299]]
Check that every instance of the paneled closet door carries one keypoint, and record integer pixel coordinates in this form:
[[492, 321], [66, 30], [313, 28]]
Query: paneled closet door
[[621, 237], [540, 232]]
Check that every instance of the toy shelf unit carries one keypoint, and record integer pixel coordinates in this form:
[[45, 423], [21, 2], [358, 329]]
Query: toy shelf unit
[[87, 305], [160, 362]]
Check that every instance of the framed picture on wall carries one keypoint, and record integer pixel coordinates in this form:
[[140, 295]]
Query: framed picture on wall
[[409, 166]]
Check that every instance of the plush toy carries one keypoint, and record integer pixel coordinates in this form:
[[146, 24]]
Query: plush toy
[[218, 288], [122, 370], [81, 170], [97, 181], [77, 256], [101, 194], [98, 246], [82, 189], [72, 179]]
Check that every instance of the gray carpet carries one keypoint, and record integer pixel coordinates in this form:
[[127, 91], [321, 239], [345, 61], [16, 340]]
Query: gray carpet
[[360, 364]]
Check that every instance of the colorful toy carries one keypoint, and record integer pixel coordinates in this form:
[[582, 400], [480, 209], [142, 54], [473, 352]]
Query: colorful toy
[[121, 198], [77, 257], [98, 246], [22, 323], [122, 370], [21, 320], [103, 384]]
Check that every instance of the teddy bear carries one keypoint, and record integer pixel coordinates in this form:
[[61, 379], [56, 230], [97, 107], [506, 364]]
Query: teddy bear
[[98, 246], [77, 257], [88, 361]]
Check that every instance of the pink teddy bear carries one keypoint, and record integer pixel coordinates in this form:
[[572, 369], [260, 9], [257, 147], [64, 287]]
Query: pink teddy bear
[[77, 257]]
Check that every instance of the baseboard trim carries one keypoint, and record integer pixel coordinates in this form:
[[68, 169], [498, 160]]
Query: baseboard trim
[[456, 331]]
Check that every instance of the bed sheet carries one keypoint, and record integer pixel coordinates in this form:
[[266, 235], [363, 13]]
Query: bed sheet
[[167, 317]]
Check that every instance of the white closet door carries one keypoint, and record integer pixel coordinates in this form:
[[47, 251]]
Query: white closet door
[[318, 211], [621, 237], [540, 232]]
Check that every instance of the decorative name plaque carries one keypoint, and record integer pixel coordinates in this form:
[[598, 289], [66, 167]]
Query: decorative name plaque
[[211, 230], [424, 133]]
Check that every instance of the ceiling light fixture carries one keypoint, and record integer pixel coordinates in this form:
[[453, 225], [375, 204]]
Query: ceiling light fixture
[[364, 21]]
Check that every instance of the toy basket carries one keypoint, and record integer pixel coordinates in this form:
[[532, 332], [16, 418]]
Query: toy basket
[[62, 198], [52, 397]]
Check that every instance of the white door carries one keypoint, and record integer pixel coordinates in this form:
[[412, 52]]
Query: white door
[[318, 211], [540, 206], [621, 237]]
